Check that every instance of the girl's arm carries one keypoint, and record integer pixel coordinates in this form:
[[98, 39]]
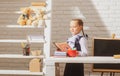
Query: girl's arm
[[84, 47]]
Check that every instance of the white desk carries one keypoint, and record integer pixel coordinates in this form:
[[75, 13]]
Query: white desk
[[50, 62]]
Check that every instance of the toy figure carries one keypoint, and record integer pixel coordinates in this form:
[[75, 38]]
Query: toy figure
[[26, 17], [39, 17]]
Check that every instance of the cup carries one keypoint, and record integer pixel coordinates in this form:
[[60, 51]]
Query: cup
[[26, 51], [72, 53]]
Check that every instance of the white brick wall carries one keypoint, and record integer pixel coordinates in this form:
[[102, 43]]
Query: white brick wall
[[101, 19]]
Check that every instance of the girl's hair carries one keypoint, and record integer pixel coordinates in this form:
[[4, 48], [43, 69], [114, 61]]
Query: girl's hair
[[80, 22]]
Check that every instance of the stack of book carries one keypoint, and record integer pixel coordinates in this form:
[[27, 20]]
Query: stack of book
[[35, 38], [59, 53]]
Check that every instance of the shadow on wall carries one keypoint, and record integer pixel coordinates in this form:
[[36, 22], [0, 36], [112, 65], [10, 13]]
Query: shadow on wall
[[94, 26], [85, 9], [65, 10]]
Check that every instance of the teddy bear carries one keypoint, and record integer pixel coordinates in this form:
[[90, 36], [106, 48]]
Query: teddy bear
[[26, 17], [39, 19]]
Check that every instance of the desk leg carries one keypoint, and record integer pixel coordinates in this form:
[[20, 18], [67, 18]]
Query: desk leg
[[113, 73], [110, 73], [102, 73], [57, 69], [50, 70]]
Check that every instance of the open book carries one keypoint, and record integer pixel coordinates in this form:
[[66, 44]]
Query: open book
[[62, 46]]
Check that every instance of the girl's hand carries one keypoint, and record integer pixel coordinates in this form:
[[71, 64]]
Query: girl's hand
[[78, 53]]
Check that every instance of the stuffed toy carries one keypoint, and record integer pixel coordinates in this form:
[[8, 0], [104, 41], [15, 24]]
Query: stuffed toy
[[39, 17], [26, 17]]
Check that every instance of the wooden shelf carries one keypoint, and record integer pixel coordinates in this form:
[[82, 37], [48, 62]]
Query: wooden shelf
[[12, 40], [35, 38], [18, 56], [8, 12], [21, 40], [46, 40], [26, 26], [20, 72]]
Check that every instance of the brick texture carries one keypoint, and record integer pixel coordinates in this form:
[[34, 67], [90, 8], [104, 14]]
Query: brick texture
[[9, 17], [101, 19]]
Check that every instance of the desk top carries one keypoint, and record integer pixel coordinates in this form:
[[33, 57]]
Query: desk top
[[88, 59]]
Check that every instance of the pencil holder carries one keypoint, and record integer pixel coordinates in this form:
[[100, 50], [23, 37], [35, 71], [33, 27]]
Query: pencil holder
[[72, 53], [26, 51]]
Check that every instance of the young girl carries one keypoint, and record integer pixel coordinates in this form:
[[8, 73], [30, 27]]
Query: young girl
[[79, 42]]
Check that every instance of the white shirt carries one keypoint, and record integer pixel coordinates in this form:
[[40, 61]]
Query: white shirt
[[82, 42]]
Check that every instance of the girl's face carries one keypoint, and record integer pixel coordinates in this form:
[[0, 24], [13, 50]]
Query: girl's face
[[75, 28]]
